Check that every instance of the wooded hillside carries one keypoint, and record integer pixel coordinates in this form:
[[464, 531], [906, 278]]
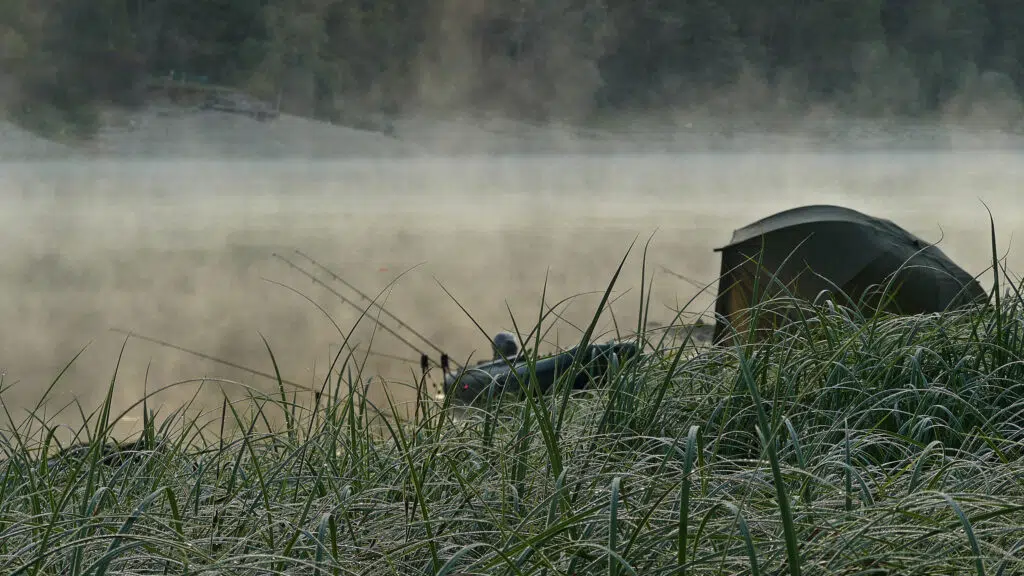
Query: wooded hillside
[[535, 59]]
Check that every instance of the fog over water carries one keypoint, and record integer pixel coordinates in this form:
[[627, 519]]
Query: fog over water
[[183, 251]]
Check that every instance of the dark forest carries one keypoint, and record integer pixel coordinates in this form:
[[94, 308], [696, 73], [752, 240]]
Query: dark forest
[[536, 60]]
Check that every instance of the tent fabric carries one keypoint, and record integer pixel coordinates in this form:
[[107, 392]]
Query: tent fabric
[[808, 215], [816, 248]]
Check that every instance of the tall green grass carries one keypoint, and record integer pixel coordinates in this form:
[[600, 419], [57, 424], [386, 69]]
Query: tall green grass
[[839, 444]]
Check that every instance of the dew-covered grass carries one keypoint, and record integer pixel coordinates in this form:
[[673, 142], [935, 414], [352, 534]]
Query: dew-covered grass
[[838, 444]]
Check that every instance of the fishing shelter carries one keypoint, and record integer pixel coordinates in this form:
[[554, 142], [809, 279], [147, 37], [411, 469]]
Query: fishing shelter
[[811, 249]]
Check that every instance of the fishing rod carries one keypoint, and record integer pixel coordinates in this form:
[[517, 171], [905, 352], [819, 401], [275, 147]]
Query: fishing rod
[[372, 301], [444, 357], [207, 357], [246, 369], [513, 374]]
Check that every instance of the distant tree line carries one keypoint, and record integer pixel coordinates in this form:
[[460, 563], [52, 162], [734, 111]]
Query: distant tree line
[[538, 59]]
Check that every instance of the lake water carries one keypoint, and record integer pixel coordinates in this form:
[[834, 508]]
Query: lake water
[[183, 251]]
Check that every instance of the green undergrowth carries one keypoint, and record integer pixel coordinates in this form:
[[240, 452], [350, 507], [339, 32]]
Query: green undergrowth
[[839, 444]]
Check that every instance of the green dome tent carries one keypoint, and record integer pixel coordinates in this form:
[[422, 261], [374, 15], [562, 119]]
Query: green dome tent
[[815, 248]]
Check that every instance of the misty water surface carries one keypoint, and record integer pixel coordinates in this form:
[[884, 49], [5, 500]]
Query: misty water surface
[[183, 250]]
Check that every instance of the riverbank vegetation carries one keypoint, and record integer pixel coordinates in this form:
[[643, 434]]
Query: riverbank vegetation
[[842, 444]]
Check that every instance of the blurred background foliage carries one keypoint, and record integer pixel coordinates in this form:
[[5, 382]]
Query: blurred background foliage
[[536, 60]]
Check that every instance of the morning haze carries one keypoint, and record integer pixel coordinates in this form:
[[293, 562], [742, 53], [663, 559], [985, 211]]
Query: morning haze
[[493, 153]]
